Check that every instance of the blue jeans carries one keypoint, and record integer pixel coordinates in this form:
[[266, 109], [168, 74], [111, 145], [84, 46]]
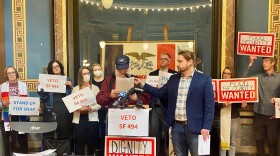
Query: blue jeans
[[183, 140]]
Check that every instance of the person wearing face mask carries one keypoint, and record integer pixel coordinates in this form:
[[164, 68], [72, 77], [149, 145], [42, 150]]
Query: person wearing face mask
[[86, 118], [54, 109], [97, 75]]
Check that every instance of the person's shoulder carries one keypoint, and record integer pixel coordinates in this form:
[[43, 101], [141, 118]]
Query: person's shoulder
[[154, 73], [172, 71]]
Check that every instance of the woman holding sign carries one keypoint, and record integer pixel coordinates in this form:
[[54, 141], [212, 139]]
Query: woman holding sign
[[86, 118], [55, 110], [12, 87], [228, 73]]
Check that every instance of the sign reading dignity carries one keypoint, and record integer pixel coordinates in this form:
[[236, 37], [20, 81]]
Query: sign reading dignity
[[52, 83], [259, 44], [130, 146], [83, 97], [24, 105], [239, 89], [128, 122]]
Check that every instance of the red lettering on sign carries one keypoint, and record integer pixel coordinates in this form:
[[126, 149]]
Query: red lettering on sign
[[128, 117]]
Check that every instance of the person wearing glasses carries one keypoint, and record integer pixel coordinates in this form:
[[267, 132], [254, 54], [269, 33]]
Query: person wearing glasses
[[228, 73], [86, 118], [157, 127], [12, 87], [54, 109]]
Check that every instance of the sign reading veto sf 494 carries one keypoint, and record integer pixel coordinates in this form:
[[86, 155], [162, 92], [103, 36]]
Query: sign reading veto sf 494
[[238, 89], [259, 44]]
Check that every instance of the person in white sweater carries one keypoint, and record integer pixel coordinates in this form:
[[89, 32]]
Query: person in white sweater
[[86, 118]]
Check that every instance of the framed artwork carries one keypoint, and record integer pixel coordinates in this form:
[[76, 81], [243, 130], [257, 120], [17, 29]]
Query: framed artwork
[[143, 55]]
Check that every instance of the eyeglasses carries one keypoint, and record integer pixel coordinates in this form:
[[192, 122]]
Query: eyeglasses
[[56, 67], [226, 73], [11, 73], [85, 74], [164, 59]]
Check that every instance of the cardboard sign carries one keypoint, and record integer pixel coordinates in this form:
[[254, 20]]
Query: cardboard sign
[[152, 80], [83, 97], [259, 44], [163, 77], [130, 146], [24, 105], [52, 83], [124, 84], [128, 122], [239, 89], [277, 107], [215, 89]]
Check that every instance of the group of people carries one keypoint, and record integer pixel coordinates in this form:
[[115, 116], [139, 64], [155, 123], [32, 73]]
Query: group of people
[[185, 103]]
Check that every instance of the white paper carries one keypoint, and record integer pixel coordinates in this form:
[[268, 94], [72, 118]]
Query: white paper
[[277, 107], [152, 80], [163, 77], [124, 84], [52, 83], [203, 146], [46, 152], [83, 97], [7, 126], [24, 105]]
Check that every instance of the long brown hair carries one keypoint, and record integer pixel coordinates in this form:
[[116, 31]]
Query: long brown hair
[[80, 76], [6, 74]]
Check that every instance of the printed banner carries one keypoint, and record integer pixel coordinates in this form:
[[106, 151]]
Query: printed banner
[[215, 89], [83, 97], [128, 122], [130, 146], [24, 105], [238, 89], [52, 83], [259, 44]]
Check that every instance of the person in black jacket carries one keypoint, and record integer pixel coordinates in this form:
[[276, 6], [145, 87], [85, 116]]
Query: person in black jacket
[[157, 125]]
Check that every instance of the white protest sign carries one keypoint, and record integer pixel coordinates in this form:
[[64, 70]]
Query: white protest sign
[[277, 107], [163, 77], [130, 146], [128, 122], [124, 84], [215, 89], [24, 105], [52, 83], [83, 97], [152, 80]]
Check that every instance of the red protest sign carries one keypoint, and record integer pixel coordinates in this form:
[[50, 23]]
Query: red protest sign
[[237, 90], [215, 89], [130, 146], [259, 44]]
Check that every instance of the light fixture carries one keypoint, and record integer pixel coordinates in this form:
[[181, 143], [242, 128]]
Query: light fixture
[[107, 4], [145, 46], [102, 44]]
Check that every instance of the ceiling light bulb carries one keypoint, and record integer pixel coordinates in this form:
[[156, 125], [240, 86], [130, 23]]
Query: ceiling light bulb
[[102, 44]]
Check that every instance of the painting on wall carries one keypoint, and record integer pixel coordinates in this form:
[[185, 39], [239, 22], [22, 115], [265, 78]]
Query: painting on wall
[[143, 55]]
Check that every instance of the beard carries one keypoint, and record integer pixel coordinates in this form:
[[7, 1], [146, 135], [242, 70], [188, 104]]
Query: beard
[[183, 69]]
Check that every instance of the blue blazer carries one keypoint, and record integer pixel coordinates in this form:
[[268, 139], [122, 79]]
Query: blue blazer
[[200, 104]]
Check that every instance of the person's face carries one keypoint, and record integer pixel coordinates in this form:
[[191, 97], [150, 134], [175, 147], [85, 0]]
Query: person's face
[[56, 68], [226, 74], [267, 64], [96, 68], [164, 61], [182, 64], [122, 72], [11, 73], [86, 75]]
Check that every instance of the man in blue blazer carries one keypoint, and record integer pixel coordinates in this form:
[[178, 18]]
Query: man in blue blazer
[[190, 104]]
